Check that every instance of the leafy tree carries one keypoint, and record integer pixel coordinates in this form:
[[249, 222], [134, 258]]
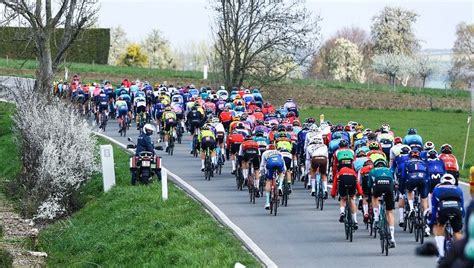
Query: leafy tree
[[118, 43], [157, 50], [395, 66], [424, 67], [392, 31], [461, 73], [134, 56], [346, 61]]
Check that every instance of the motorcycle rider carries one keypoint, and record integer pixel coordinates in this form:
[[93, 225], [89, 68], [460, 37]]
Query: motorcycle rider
[[144, 143]]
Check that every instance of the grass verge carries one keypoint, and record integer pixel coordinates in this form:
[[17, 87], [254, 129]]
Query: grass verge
[[438, 126], [130, 226]]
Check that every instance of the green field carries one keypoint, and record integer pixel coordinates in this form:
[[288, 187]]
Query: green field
[[439, 127], [129, 226]]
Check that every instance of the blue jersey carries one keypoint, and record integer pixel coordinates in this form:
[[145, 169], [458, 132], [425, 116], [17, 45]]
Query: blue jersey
[[446, 196], [413, 139], [415, 169], [333, 145], [359, 163], [301, 138], [398, 166], [435, 167]]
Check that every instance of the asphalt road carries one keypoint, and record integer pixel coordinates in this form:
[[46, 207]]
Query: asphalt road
[[300, 235]]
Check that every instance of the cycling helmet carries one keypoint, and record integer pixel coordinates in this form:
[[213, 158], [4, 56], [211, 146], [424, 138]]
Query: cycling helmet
[[385, 127], [360, 153], [310, 120], [412, 131], [448, 178], [168, 108], [205, 127], [380, 163], [215, 120], [282, 148], [289, 128], [236, 118], [343, 143], [148, 129], [290, 114], [397, 140], [120, 98], [367, 131], [296, 123], [348, 128], [259, 132], [374, 146], [271, 146], [248, 137], [281, 128], [416, 147], [429, 145], [313, 127], [432, 154], [405, 150], [414, 154], [339, 128], [359, 127], [240, 125], [289, 100], [446, 149]]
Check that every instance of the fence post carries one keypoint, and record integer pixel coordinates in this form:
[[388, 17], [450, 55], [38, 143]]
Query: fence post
[[164, 183]]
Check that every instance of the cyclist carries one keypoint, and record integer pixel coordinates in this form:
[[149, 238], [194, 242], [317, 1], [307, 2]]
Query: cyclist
[[140, 107], [249, 152], [317, 159], [272, 162], [416, 177], [385, 138], [194, 120], [285, 148], [226, 117], [169, 124], [395, 150], [381, 181], [144, 143], [220, 132], [447, 204], [207, 140], [233, 146], [398, 168], [375, 153], [261, 139], [291, 106], [450, 161], [345, 181], [412, 138], [122, 108], [102, 103], [342, 157], [435, 168]]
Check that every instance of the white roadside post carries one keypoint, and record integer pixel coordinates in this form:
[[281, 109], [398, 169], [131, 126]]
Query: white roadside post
[[205, 72], [164, 183], [108, 170]]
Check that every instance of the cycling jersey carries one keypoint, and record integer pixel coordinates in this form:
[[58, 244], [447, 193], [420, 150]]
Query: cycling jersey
[[447, 200], [416, 176], [316, 150], [450, 162], [375, 155], [140, 101], [272, 161], [359, 162], [413, 139], [381, 181], [206, 134], [435, 171], [346, 179], [168, 115]]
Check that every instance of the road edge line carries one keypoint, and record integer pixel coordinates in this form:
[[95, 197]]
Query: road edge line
[[215, 211]]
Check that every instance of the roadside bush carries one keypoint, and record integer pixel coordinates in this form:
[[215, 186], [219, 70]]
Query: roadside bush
[[6, 259], [57, 152]]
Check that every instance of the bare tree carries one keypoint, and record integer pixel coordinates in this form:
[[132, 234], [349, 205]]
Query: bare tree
[[248, 31], [424, 67], [37, 15]]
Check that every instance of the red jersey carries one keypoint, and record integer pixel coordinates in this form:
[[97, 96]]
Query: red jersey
[[345, 171], [234, 138], [225, 116], [249, 144], [259, 116], [450, 162], [268, 109]]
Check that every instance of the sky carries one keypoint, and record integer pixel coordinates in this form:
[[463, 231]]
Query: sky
[[183, 20]]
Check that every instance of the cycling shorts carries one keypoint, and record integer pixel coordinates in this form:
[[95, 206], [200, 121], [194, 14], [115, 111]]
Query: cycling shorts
[[421, 184], [273, 165], [103, 108], [234, 148], [169, 123], [453, 214], [386, 189], [319, 162], [141, 109], [179, 116], [253, 157], [347, 184], [288, 161], [220, 137], [122, 111], [208, 142], [193, 125]]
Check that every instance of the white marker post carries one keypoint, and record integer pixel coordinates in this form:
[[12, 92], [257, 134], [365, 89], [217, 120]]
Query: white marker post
[[205, 72], [164, 183], [108, 170]]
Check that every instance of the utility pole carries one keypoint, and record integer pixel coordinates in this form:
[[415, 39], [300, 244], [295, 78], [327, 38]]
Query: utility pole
[[469, 121]]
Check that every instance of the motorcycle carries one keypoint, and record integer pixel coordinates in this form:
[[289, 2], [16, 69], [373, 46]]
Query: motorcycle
[[144, 165]]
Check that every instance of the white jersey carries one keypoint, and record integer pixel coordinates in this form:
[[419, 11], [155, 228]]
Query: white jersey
[[218, 127], [140, 101], [266, 155], [316, 150], [311, 136]]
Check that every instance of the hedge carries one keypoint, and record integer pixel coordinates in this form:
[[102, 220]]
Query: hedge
[[91, 45]]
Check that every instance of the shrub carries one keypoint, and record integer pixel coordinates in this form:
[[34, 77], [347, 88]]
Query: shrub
[[6, 259], [57, 152]]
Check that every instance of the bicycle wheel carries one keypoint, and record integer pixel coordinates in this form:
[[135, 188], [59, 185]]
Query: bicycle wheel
[[321, 196], [275, 201]]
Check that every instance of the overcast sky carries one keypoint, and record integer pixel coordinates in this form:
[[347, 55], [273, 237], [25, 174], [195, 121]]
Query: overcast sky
[[183, 20]]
